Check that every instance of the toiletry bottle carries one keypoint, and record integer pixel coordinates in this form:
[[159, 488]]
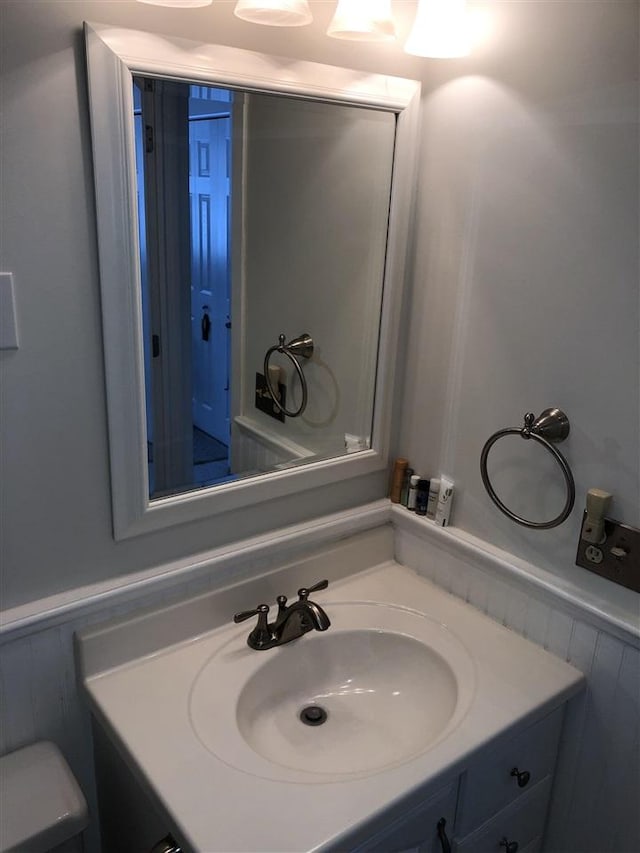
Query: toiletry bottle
[[396, 479], [434, 491], [404, 494], [413, 491], [445, 499], [422, 497]]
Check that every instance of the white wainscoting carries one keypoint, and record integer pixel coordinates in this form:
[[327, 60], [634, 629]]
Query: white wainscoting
[[40, 698], [597, 790], [40, 702], [256, 448], [594, 806]]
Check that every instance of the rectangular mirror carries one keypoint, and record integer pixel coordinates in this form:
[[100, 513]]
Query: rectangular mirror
[[280, 183], [252, 218]]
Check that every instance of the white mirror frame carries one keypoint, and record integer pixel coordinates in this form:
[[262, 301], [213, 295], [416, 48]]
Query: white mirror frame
[[113, 55]]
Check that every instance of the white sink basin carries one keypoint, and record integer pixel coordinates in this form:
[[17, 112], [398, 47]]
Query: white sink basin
[[391, 682]]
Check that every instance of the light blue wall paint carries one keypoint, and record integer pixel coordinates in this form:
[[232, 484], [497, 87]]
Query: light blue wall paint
[[524, 290]]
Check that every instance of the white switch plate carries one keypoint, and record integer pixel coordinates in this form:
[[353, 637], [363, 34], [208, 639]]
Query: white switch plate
[[8, 321]]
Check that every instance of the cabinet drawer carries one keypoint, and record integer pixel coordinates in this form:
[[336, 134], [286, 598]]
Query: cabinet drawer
[[416, 829], [534, 846], [488, 785], [522, 821]]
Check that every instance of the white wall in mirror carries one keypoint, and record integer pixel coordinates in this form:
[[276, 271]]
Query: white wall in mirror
[[310, 192], [114, 54]]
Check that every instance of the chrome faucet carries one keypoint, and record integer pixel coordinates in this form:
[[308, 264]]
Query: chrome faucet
[[291, 622]]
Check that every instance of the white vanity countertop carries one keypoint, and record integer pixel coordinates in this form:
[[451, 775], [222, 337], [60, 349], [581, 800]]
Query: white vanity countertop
[[144, 704]]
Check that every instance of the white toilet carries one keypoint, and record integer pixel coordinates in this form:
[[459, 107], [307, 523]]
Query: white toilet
[[42, 809]]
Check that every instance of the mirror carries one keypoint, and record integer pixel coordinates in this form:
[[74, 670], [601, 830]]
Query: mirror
[[280, 184], [252, 220]]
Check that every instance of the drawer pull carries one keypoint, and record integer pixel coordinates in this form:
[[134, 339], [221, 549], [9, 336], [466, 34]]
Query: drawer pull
[[509, 846], [522, 776], [442, 835], [166, 845]]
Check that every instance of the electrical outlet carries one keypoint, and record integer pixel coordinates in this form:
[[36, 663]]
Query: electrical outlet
[[593, 554], [617, 557]]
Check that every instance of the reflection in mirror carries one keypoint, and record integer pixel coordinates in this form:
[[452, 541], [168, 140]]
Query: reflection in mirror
[[261, 218], [182, 138]]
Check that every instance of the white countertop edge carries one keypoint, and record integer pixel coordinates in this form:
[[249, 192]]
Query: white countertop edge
[[396, 801]]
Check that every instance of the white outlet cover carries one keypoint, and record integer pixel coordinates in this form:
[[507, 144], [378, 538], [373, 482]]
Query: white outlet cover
[[8, 320]]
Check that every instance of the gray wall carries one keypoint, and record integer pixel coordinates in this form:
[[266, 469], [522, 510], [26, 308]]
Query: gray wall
[[526, 284], [56, 515], [524, 288]]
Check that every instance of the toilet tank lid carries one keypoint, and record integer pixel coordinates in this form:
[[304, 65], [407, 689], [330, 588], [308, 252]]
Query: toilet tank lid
[[41, 804]]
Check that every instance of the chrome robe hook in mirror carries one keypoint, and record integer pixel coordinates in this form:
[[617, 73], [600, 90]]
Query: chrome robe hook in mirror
[[302, 347]]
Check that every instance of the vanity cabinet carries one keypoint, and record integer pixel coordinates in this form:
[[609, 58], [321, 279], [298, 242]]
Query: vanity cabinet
[[131, 818], [488, 786], [498, 804], [484, 809], [422, 828], [223, 776], [519, 826]]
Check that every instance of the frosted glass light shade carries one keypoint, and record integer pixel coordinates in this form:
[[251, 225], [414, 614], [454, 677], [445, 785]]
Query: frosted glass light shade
[[363, 20], [440, 30], [178, 4], [274, 13]]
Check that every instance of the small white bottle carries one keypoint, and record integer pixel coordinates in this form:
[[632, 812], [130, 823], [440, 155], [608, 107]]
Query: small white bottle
[[445, 499], [432, 502]]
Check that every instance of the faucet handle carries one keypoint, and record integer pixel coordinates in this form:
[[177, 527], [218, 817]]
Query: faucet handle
[[262, 635], [247, 614], [304, 593]]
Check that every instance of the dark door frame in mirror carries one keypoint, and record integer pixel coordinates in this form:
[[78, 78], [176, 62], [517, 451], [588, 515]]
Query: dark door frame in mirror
[[114, 55]]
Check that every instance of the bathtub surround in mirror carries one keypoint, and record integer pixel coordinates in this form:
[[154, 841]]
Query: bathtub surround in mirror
[[282, 184], [317, 163]]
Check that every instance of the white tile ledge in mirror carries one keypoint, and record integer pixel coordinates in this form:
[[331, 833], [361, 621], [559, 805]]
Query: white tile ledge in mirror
[[113, 55]]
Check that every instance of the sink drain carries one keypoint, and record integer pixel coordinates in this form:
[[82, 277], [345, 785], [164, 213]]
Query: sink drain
[[313, 715]]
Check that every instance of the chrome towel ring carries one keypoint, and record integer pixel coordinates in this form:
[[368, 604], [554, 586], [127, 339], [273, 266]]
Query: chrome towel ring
[[551, 427], [300, 346]]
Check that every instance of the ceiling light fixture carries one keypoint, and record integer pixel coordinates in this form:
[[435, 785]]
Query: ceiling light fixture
[[274, 13], [178, 4], [440, 30], [363, 20]]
